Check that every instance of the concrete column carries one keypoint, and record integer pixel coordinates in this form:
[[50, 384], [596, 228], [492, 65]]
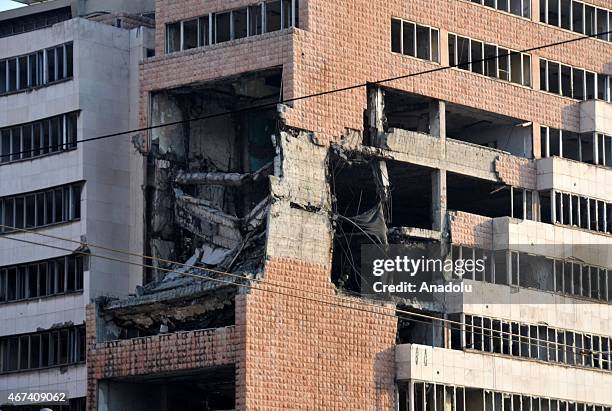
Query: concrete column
[[376, 111], [438, 199], [536, 144], [437, 119], [437, 128]]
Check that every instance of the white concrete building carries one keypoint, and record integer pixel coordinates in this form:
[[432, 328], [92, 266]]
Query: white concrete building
[[60, 84]]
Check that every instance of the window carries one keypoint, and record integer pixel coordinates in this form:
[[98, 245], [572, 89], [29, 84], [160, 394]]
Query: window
[[239, 23], [518, 7], [573, 82], [60, 205], [42, 349], [190, 34], [255, 20], [29, 71], [273, 15], [576, 16], [231, 25], [40, 279], [223, 31], [536, 341], [501, 63], [34, 22], [415, 40], [173, 37], [39, 138]]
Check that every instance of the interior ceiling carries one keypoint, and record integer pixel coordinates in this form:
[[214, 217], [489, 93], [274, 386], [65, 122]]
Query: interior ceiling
[[460, 117], [457, 116], [263, 84]]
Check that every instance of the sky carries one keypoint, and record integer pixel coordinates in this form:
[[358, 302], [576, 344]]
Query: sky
[[8, 4]]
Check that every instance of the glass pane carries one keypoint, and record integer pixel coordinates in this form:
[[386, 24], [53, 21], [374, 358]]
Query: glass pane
[[409, 39], [396, 36], [222, 27], [190, 34], [273, 16]]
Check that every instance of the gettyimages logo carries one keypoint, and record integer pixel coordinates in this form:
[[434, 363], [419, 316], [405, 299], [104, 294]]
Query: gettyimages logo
[[412, 266], [416, 271]]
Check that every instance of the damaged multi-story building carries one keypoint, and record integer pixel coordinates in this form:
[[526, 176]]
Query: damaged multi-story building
[[69, 72], [256, 202]]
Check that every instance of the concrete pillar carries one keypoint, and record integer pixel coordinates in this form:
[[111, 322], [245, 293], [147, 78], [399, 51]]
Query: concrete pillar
[[536, 137], [437, 119], [438, 198], [376, 112]]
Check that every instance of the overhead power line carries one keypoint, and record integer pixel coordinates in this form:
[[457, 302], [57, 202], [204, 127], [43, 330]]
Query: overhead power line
[[350, 303], [314, 95]]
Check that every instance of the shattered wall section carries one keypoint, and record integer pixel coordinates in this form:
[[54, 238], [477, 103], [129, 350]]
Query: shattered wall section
[[517, 172], [471, 230], [301, 201]]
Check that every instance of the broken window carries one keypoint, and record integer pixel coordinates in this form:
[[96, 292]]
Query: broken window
[[16, 209], [560, 79], [273, 15], [477, 57], [222, 27], [42, 349], [534, 341], [589, 20], [578, 84], [190, 34], [35, 280], [255, 20], [520, 8], [231, 25], [501, 63], [576, 16], [173, 37], [414, 40], [553, 15], [478, 197], [239, 23], [24, 141]]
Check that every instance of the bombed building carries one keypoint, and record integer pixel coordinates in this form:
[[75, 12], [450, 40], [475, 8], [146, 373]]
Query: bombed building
[[256, 204]]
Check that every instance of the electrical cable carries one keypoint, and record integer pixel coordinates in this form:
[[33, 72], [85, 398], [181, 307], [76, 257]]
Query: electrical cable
[[398, 313]]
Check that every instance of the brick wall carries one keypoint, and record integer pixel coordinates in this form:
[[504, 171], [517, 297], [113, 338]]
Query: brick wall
[[471, 230], [158, 354], [302, 353], [516, 172]]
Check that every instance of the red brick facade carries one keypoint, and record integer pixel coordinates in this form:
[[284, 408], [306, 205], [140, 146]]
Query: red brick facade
[[295, 345], [471, 230]]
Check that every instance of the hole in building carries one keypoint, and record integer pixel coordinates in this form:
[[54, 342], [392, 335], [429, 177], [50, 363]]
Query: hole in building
[[420, 330], [144, 316], [488, 129], [357, 203], [477, 196], [208, 179]]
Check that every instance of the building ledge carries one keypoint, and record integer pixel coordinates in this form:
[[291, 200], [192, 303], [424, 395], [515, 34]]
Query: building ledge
[[576, 177], [164, 353]]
